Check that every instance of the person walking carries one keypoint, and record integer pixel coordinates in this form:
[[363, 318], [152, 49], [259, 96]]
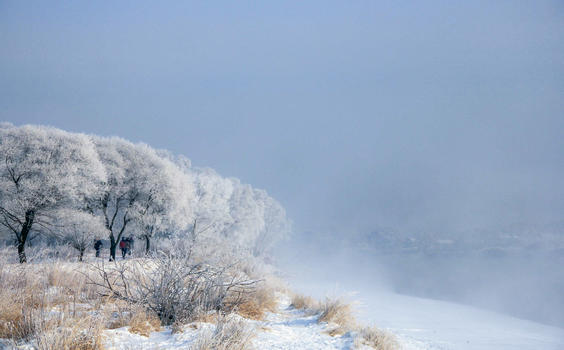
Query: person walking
[[123, 247], [129, 245], [98, 247]]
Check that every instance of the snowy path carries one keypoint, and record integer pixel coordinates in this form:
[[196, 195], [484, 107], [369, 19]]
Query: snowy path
[[294, 329], [287, 329]]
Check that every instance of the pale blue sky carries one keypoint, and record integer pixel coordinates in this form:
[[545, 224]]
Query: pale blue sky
[[436, 115]]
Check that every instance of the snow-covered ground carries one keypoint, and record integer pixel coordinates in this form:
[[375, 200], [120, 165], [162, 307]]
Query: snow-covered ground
[[431, 324], [425, 324], [288, 329], [419, 324], [294, 329]]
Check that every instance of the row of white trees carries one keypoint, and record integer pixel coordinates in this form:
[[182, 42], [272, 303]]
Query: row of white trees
[[81, 187]]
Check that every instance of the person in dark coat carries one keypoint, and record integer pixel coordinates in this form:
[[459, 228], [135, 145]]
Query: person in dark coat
[[98, 247], [129, 245]]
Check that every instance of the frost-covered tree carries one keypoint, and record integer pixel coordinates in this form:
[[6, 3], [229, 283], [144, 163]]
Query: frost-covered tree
[[211, 208], [79, 229], [259, 221], [42, 169], [276, 224], [140, 189], [248, 215], [235, 216], [168, 206], [46, 174]]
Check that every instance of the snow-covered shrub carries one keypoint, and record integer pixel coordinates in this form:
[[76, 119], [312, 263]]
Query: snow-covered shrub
[[174, 287]]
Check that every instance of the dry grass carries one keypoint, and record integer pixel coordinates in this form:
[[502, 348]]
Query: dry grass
[[339, 315], [50, 306], [84, 333], [18, 300], [26, 319], [177, 327], [143, 323], [376, 338], [340, 319], [258, 303], [116, 313], [16, 322], [230, 333], [47, 304], [304, 302], [210, 317]]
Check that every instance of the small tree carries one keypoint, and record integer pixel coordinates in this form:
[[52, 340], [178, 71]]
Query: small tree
[[150, 220], [79, 229]]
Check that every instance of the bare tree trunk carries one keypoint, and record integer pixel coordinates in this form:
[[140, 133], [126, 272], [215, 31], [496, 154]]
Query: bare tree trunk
[[81, 254], [114, 241], [21, 252], [26, 227], [113, 245]]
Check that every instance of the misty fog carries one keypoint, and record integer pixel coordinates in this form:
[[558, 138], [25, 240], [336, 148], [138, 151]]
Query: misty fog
[[418, 147]]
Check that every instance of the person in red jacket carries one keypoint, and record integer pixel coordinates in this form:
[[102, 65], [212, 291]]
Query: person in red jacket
[[123, 247]]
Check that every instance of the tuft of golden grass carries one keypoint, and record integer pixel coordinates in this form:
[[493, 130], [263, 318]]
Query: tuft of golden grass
[[336, 311], [82, 333], [17, 323], [17, 313], [257, 304], [304, 302], [177, 327], [143, 323], [376, 338], [230, 333], [10, 315], [338, 314], [116, 313], [210, 317]]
